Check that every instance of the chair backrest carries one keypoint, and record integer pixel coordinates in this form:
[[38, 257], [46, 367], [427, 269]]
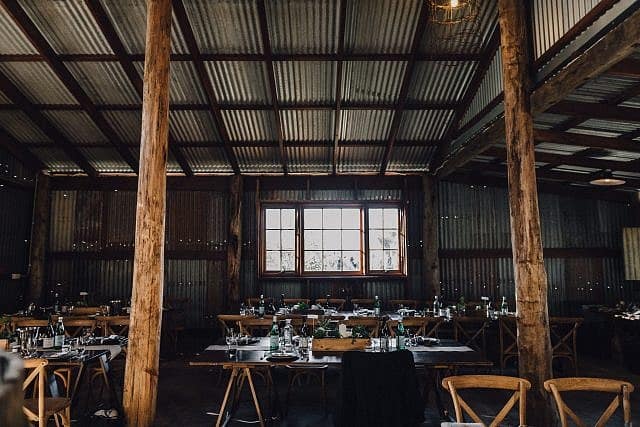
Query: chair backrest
[[460, 382], [251, 325], [228, 321], [294, 301], [370, 323], [37, 368], [29, 323], [417, 325], [363, 302], [74, 327], [84, 311], [337, 303], [365, 375], [117, 325], [406, 303], [621, 389]]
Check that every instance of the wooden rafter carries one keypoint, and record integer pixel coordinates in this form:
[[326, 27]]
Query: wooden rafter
[[465, 102], [589, 110], [20, 152], [616, 45], [253, 57], [271, 77], [43, 123], [576, 139], [338, 103], [42, 45], [421, 27], [187, 32], [100, 16]]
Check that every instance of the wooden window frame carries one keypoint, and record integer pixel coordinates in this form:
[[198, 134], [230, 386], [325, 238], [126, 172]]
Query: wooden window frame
[[364, 272]]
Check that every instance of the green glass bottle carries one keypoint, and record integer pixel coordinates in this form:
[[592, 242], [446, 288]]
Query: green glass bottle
[[377, 306], [400, 336], [274, 335], [261, 306]]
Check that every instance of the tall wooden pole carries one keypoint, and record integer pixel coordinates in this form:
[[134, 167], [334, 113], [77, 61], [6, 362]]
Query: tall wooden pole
[[234, 248], [534, 346], [430, 244], [39, 235], [141, 373]]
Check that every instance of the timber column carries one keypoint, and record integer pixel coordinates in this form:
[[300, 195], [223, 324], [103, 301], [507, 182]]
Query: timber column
[[430, 243], [39, 235], [234, 248], [141, 372], [534, 347]]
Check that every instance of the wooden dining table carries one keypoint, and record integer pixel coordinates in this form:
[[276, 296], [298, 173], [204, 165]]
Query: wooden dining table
[[446, 355]]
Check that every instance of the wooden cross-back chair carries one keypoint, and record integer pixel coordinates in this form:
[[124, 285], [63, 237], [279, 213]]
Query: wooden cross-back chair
[[228, 321], [470, 331], [395, 304], [84, 311], [73, 328], [519, 386], [363, 302], [115, 325], [417, 325], [621, 389], [371, 324], [293, 301], [40, 408], [253, 325], [253, 302], [28, 323]]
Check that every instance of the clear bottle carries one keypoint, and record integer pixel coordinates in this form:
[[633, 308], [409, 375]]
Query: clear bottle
[[400, 336], [377, 306], [436, 306], [56, 303], [47, 336], [288, 336], [261, 306], [58, 338], [274, 335], [282, 304], [384, 338], [504, 307], [304, 336]]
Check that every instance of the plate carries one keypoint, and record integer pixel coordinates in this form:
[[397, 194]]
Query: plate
[[282, 357], [250, 341]]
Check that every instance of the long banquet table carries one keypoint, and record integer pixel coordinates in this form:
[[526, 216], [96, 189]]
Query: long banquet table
[[449, 354]]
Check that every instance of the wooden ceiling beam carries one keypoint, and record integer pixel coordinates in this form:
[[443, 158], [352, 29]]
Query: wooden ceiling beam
[[20, 152], [616, 45], [628, 67], [42, 45], [404, 87], [435, 57], [576, 139], [100, 16], [338, 103], [271, 77], [43, 123], [203, 76]]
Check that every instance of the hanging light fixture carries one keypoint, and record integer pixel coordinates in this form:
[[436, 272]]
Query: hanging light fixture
[[453, 11], [606, 179]]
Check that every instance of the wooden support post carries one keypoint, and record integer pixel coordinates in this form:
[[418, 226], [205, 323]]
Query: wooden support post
[[430, 221], [234, 247], [141, 372], [39, 238], [534, 346]]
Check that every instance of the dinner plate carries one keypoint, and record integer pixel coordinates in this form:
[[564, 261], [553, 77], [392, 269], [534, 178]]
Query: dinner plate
[[282, 357]]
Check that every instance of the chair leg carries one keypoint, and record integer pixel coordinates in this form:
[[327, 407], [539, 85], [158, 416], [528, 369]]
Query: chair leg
[[289, 385], [324, 392]]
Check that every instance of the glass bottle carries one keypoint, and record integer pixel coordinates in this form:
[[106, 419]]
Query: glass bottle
[[377, 305], [304, 336], [261, 306], [400, 336], [47, 336], [436, 306], [504, 307], [58, 338], [288, 336], [274, 335], [384, 337], [282, 304]]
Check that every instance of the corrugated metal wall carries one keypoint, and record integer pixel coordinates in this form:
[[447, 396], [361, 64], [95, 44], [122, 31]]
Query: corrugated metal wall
[[477, 217], [96, 228], [15, 227]]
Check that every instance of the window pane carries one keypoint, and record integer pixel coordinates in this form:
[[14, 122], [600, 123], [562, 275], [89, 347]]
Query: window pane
[[272, 261], [351, 240], [351, 219], [272, 239], [289, 240], [313, 239], [391, 218], [272, 218], [375, 218], [331, 261], [375, 239], [390, 239], [376, 260], [331, 218], [288, 218], [313, 261], [313, 218], [351, 261], [288, 261], [330, 239], [391, 260]]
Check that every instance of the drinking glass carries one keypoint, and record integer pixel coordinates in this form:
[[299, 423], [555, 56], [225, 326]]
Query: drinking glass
[[231, 340], [355, 308]]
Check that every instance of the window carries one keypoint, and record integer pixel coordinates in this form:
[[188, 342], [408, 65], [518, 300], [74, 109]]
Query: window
[[309, 239]]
